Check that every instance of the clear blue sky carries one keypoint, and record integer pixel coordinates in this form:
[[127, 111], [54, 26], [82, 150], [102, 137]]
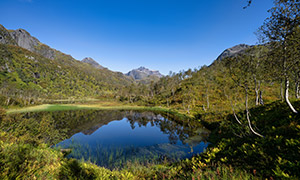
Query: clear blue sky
[[164, 35]]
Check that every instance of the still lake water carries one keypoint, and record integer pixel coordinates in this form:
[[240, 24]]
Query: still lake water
[[113, 138]]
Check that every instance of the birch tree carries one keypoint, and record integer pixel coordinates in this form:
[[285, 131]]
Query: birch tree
[[240, 69], [279, 31]]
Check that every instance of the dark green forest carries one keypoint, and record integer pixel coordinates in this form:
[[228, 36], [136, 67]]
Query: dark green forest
[[249, 101]]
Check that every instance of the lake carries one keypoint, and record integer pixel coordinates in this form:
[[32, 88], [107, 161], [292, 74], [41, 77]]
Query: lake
[[113, 138]]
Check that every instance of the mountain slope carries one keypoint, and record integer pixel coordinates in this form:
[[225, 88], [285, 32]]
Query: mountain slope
[[30, 70]]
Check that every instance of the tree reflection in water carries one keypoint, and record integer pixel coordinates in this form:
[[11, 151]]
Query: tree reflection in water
[[173, 138]]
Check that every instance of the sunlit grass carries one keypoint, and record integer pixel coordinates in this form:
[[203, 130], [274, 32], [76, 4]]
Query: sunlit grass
[[105, 105], [47, 107]]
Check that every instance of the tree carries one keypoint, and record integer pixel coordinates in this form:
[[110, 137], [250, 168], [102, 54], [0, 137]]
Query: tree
[[241, 72], [248, 4], [279, 31], [258, 71]]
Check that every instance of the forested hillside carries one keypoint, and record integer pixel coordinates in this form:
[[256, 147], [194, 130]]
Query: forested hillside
[[242, 76], [218, 87], [32, 72]]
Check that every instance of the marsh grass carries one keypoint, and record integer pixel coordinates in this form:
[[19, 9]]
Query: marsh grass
[[47, 107], [96, 106]]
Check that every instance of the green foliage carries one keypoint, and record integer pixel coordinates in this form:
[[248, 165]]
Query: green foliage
[[20, 159], [275, 155], [2, 114], [27, 78]]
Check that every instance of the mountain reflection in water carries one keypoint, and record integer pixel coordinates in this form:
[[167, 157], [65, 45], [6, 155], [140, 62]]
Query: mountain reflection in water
[[113, 138]]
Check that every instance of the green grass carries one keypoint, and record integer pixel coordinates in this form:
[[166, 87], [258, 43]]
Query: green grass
[[48, 107], [98, 106]]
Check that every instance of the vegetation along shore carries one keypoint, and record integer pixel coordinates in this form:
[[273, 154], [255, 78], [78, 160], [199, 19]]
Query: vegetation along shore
[[237, 118]]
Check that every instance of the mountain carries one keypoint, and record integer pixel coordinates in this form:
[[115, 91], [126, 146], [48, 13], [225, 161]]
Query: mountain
[[233, 51], [92, 62], [142, 73], [22, 38], [31, 70]]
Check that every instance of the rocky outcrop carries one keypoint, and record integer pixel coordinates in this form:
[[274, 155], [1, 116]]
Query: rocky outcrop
[[143, 73], [92, 62], [24, 39], [230, 52], [45, 51], [5, 36]]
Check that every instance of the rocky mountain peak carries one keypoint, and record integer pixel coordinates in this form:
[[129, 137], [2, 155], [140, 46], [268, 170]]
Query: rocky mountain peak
[[92, 62], [233, 51], [142, 68], [143, 73]]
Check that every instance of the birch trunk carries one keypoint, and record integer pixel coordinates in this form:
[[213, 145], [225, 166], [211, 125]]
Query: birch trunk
[[256, 92], [203, 107], [247, 113], [235, 116], [287, 84]]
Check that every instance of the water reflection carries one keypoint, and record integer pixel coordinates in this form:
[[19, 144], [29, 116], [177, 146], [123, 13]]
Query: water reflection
[[112, 138]]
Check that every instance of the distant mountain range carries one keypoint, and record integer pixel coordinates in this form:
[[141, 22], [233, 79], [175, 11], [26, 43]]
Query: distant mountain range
[[23, 39], [142, 73]]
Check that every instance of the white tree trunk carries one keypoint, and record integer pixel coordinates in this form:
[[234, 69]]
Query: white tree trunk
[[247, 113], [8, 100], [287, 84], [235, 116], [257, 87], [203, 107]]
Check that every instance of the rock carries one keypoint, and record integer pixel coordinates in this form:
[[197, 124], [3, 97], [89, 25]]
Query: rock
[[230, 52], [36, 75], [24, 39], [5, 37], [142, 73], [92, 62], [7, 68]]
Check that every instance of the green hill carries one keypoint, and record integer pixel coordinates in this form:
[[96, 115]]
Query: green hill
[[31, 71]]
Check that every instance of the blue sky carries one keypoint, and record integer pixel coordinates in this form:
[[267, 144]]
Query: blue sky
[[164, 35]]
